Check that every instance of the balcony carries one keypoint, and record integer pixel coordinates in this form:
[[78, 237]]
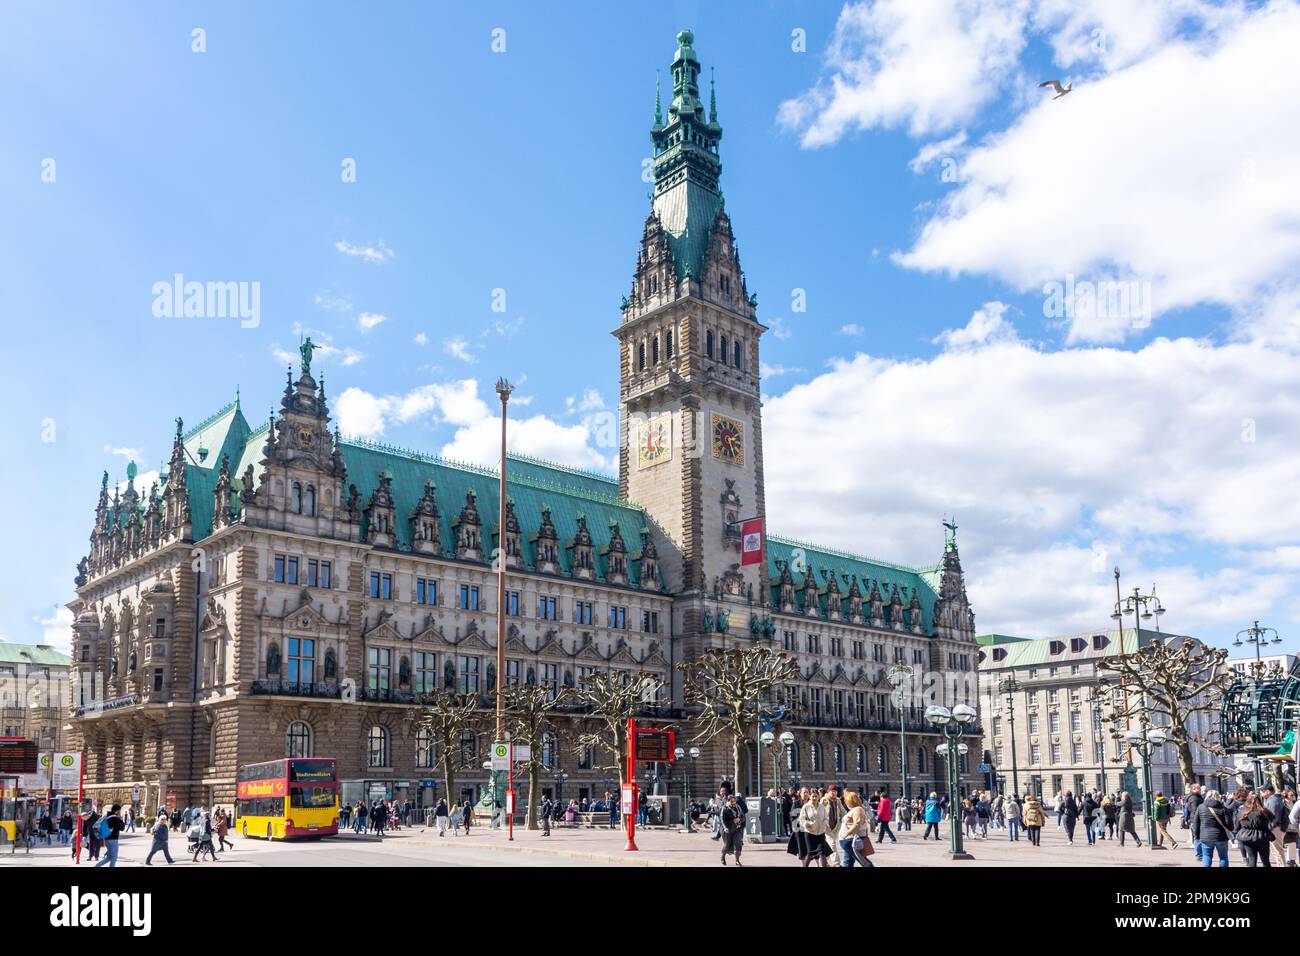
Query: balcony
[[293, 689]]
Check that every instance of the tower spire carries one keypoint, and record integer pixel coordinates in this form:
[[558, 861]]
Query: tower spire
[[713, 101], [659, 113]]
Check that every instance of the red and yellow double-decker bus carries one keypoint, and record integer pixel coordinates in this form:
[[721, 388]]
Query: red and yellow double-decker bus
[[283, 799]]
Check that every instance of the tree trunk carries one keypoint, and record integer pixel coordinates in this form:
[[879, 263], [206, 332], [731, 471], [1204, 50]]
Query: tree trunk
[[1185, 765], [534, 787], [735, 761], [448, 776]]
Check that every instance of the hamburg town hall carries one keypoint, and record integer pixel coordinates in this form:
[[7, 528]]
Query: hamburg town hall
[[284, 590]]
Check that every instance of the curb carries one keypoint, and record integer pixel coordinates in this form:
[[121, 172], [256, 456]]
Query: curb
[[565, 854]]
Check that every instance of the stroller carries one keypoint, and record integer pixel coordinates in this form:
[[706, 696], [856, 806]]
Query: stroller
[[200, 843]]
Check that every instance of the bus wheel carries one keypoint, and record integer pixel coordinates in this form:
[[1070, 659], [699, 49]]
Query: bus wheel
[[269, 835]]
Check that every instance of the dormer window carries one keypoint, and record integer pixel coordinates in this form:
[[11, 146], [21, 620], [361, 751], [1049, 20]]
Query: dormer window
[[1056, 647], [1099, 642], [1078, 644], [999, 653]]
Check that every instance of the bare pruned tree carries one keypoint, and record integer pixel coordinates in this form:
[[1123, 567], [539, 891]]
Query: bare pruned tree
[[731, 686], [612, 699], [1165, 684], [447, 716], [530, 709]]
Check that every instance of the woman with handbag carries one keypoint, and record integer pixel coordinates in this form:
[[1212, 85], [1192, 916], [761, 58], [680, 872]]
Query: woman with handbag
[[733, 829], [855, 834]]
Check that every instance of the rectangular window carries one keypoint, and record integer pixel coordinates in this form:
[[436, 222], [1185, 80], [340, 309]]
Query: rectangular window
[[157, 678], [837, 646], [1035, 754], [512, 603], [313, 572], [426, 672], [469, 597], [512, 673], [426, 591], [617, 617], [788, 640], [650, 622], [1054, 723], [582, 612], [997, 726], [468, 675], [380, 668], [551, 678], [300, 662], [279, 569], [859, 648], [1078, 753], [1076, 721], [1033, 723], [547, 609], [839, 706], [291, 571], [325, 575], [1056, 753]]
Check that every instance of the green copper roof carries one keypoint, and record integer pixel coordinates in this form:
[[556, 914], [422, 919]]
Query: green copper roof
[[845, 566], [1038, 652], [531, 484], [687, 198], [33, 655], [987, 639]]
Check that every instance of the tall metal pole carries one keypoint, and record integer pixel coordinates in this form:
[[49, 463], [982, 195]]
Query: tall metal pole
[[1146, 748], [1011, 718], [902, 742], [503, 389]]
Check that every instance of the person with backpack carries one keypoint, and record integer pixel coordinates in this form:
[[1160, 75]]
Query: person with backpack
[[1212, 829], [933, 814], [1160, 812], [109, 829], [202, 830], [1088, 812], [160, 831]]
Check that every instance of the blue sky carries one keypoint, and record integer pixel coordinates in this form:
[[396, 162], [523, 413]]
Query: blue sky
[[924, 362]]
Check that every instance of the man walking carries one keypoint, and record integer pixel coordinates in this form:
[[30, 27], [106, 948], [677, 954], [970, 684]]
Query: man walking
[[546, 809], [110, 828], [1276, 807]]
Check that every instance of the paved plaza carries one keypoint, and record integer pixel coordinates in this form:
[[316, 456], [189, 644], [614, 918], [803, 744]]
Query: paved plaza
[[415, 846]]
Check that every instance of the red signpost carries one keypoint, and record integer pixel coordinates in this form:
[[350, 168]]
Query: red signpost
[[648, 745]]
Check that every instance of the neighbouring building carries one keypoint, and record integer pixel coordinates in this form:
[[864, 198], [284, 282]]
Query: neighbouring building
[[34, 693], [1061, 740], [225, 614]]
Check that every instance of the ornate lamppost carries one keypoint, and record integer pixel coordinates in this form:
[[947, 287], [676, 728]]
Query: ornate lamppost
[[899, 677], [694, 754], [1145, 741], [953, 723], [1258, 636], [1010, 686], [1143, 607]]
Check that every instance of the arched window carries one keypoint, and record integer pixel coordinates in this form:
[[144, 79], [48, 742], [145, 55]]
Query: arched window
[[668, 344], [722, 352], [862, 758], [378, 749], [816, 754], [273, 661], [920, 760], [792, 758], [708, 343], [839, 758], [548, 749], [298, 740], [654, 350], [331, 665], [424, 755], [297, 498], [311, 495], [640, 356], [882, 759]]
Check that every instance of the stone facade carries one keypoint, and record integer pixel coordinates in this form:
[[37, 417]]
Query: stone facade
[[1061, 739], [34, 693], [284, 590]]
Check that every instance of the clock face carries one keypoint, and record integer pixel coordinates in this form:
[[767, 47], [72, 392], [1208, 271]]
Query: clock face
[[655, 445], [728, 440]]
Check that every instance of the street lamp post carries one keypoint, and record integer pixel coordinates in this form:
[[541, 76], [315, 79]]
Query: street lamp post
[[953, 723], [1257, 636], [1097, 699], [1144, 741], [694, 754], [503, 389], [898, 676], [1010, 686], [1142, 607]]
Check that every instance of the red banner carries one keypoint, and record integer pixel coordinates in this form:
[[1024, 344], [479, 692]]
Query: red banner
[[751, 541]]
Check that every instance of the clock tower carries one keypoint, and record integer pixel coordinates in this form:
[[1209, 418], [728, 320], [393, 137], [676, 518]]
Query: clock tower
[[691, 426]]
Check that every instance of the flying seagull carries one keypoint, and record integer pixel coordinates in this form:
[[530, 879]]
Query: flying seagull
[[1056, 85]]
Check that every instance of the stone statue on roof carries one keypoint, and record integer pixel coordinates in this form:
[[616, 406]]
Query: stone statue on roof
[[305, 350]]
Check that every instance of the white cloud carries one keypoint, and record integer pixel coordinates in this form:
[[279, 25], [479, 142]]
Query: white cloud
[[924, 65], [987, 325], [333, 303], [368, 320], [421, 339], [379, 252], [776, 371], [851, 329], [56, 630], [477, 435], [128, 453], [1099, 184], [951, 147], [460, 349], [779, 328], [1176, 457], [590, 401]]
